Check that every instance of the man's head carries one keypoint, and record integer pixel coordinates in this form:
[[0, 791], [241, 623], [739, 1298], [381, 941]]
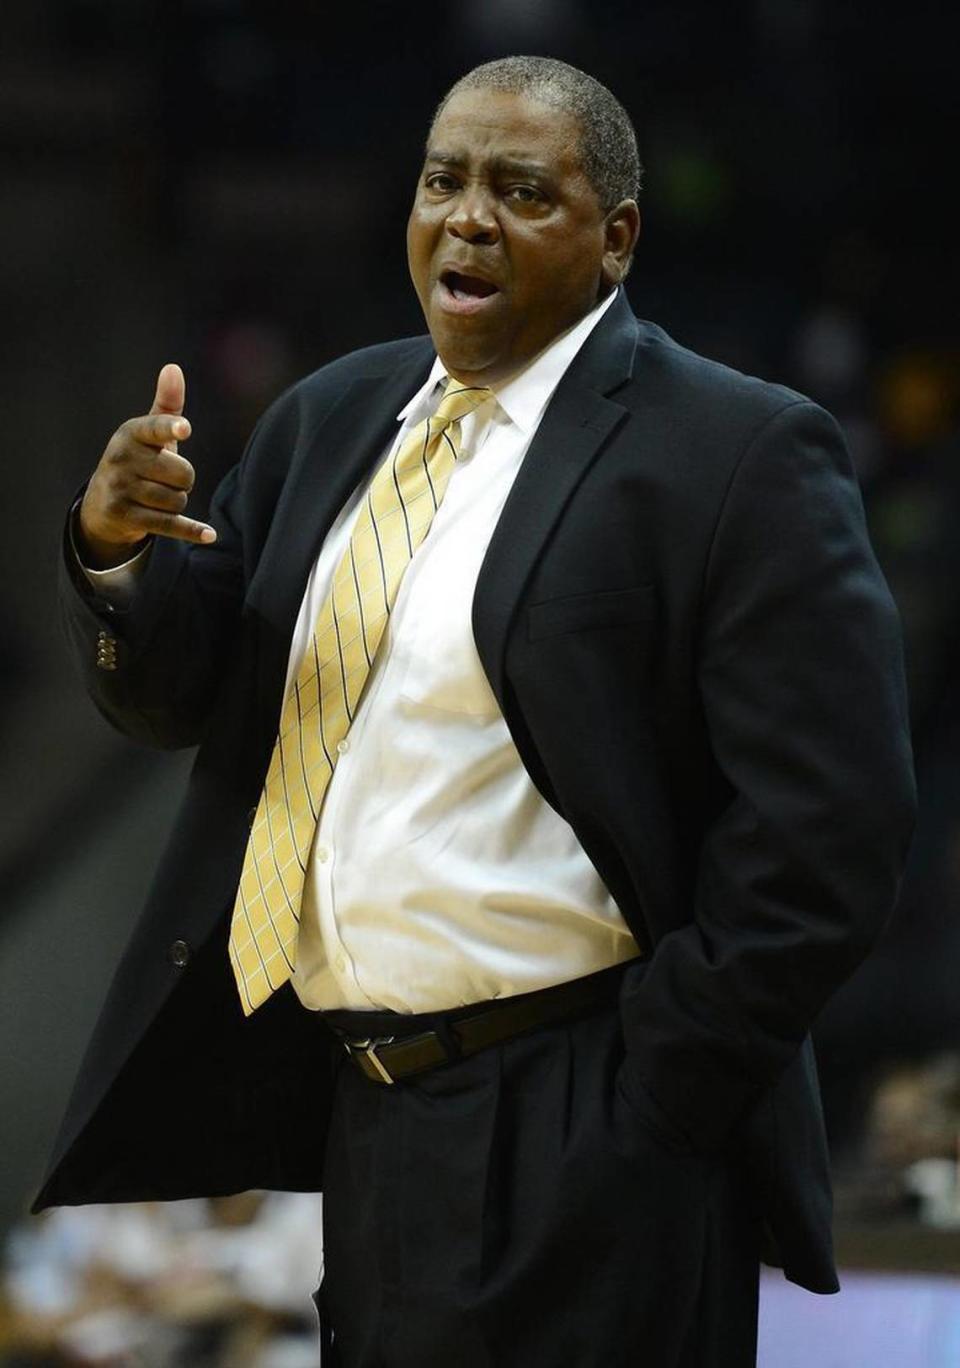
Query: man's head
[[525, 213]]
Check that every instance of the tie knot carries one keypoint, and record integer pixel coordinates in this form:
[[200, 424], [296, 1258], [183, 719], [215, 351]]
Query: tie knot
[[459, 400]]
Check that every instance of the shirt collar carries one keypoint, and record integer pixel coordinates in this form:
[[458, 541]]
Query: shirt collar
[[524, 396], [413, 406]]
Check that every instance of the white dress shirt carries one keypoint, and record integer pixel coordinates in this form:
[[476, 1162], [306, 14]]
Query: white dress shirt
[[439, 876]]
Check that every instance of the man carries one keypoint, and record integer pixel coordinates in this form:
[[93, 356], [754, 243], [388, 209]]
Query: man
[[552, 748]]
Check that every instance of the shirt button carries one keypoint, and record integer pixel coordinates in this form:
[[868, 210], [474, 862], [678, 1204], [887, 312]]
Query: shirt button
[[323, 854], [179, 954], [340, 963], [343, 746]]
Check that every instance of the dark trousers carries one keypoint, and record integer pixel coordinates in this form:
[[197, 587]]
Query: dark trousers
[[514, 1209]]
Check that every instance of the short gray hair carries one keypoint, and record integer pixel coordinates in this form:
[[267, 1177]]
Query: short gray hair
[[608, 143]]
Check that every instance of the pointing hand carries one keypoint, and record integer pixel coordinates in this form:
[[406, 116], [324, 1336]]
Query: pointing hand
[[141, 484]]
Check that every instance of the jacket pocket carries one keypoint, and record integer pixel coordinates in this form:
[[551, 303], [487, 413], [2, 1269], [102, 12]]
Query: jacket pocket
[[580, 612]]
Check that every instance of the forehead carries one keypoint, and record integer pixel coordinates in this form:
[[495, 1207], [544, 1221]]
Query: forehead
[[480, 125]]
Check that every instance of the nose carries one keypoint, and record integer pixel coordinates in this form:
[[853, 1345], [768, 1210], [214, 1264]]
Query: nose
[[472, 218]]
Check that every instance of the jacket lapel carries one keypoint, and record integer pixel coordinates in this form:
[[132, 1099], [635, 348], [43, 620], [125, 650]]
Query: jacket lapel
[[341, 451], [577, 422]]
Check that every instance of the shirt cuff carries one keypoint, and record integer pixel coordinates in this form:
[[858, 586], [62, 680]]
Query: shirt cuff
[[118, 584]]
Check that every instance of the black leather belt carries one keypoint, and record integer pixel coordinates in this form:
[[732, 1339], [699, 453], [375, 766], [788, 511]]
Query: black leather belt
[[386, 1047]]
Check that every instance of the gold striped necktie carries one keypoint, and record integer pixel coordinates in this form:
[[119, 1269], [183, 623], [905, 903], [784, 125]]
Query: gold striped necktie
[[392, 521]]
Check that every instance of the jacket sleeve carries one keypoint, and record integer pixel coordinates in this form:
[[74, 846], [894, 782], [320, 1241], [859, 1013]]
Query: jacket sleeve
[[801, 681], [154, 668]]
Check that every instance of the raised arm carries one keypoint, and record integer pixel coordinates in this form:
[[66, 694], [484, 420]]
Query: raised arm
[[153, 662]]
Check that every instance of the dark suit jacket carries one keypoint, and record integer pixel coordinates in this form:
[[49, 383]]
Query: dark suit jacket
[[699, 663]]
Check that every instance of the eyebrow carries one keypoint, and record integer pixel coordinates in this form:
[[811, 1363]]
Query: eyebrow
[[512, 165]]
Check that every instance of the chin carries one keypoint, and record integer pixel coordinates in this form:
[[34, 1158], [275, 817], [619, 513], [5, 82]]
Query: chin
[[458, 355]]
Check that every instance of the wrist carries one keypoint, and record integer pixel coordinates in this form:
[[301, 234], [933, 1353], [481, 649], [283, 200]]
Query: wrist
[[99, 553]]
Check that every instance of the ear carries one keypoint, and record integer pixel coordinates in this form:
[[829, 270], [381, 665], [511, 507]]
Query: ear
[[621, 230]]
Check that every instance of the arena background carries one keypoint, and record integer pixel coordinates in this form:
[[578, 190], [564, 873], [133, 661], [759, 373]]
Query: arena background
[[225, 184]]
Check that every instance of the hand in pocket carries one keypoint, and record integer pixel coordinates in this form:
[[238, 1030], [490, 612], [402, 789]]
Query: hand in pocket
[[644, 1108]]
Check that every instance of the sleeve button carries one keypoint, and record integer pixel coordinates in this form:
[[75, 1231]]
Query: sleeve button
[[106, 651]]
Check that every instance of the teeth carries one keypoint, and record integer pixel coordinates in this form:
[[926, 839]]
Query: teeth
[[458, 291], [476, 290]]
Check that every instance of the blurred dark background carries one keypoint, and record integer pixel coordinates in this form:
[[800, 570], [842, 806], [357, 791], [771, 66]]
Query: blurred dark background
[[225, 184]]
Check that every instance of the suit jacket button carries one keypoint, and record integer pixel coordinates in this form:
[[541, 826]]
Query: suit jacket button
[[179, 953]]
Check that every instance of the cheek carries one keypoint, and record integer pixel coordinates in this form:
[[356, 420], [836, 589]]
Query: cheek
[[556, 270], [418, 255], [422, 230]]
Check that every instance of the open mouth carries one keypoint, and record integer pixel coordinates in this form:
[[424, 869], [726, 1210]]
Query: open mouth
[[467, 288]]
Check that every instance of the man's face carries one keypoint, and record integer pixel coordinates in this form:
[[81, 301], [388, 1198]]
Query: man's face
[[507, 242]]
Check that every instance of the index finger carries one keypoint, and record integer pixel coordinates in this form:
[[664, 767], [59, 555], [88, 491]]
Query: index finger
[[157, 429]]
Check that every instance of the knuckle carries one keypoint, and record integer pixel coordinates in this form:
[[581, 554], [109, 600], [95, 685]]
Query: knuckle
[[117, 489], [122, 446]]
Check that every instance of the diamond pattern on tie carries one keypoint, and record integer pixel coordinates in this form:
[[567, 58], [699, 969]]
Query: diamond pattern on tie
[[392, 521]]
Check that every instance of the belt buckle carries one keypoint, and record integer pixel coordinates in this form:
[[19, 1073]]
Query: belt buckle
[[369, 1048]]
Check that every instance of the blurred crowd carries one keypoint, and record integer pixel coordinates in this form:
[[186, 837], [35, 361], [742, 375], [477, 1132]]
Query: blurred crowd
[[225, 183], [221, 1282]]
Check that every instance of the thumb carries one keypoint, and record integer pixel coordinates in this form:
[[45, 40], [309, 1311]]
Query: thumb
[[171, 390]]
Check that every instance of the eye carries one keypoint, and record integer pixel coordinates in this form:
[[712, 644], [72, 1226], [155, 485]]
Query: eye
[[441, 181], [526, 194]]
